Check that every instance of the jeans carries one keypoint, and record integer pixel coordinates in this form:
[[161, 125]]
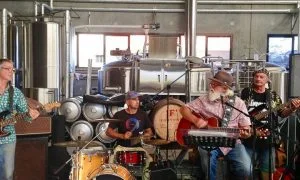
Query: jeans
[[7, 161], [240, 162], [262, 157]]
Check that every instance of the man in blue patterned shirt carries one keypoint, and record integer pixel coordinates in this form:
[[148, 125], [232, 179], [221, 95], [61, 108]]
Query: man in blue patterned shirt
[[12, 102]]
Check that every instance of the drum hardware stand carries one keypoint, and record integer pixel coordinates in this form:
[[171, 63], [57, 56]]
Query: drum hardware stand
[[77, 153]]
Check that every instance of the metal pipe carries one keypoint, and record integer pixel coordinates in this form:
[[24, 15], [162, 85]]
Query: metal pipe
[[265, 11], [68, 50], [109, 26], [36, 10], [51, 3], [43, 8], [248, 2], [153, 10], [191, 27], [4, 33], [191, 30], [180, 2], [123, 1], [89, 77], [298, 7]]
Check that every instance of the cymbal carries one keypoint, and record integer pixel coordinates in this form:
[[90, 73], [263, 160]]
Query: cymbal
[[157, 142], [108, 120], [141, 137], [79, 144]]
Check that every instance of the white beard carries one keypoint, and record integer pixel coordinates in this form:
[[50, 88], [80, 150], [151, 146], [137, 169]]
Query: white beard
[[213, 95]]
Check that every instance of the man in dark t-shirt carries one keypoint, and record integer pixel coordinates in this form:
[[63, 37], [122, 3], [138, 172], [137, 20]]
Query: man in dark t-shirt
[[258, 97], [133, 122]]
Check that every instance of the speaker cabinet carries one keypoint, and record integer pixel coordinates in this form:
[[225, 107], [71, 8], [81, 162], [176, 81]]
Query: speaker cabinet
[[31, 158], [162, 170]]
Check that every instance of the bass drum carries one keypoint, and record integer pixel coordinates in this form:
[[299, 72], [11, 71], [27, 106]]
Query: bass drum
[[159, 118], [101, 131], [71, 108], [81, 130], [113, 172]]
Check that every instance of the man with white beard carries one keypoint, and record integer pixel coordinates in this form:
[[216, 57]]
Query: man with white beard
[[213, 105]]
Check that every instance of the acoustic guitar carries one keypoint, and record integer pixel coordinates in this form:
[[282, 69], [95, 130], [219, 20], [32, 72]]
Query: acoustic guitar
[[19, 116], [213, 125]]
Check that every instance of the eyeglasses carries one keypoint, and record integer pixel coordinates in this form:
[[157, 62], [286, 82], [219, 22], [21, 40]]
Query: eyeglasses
[[9, 69]]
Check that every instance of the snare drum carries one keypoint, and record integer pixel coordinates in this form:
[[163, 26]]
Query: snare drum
[[131, 158], [86, 163], [113, 172]]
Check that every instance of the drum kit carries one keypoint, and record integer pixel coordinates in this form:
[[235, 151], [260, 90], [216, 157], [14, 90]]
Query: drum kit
[[91, 162]]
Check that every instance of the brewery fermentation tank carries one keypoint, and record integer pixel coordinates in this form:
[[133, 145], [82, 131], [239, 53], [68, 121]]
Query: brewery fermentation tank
[[42, 55], [278, 77], [199, 74], [152, 76], [117, 77]]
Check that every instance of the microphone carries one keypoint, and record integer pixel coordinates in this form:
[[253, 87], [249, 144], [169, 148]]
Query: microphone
[[222, 99]]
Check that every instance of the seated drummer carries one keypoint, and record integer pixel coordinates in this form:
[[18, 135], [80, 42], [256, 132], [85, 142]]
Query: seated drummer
[[134, 122]]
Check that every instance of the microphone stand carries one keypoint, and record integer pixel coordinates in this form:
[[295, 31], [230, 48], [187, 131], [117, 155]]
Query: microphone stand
[[80, 150], [271, 125], [253, 122], [168, 87]]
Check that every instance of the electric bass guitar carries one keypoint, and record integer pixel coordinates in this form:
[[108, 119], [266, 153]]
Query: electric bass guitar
[[259, 115], [19, 116]]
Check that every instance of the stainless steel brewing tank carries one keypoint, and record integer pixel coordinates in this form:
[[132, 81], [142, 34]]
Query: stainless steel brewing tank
[[279, 80], [42, 55], [199, 82], [156, 74], [117, 77]]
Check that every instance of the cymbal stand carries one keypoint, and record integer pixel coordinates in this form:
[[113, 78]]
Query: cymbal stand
[[77, 154]]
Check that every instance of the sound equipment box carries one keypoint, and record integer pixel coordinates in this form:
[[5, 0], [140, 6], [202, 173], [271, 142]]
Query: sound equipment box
[[162, 170], [41, 125], [31, 158]]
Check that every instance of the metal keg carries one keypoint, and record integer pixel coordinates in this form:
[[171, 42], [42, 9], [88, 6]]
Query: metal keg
[[81, 130], [71, 108], [113, 109], [93, 111], [101, 132]]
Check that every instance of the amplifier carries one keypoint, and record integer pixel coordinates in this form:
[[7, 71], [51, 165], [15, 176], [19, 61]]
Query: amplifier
[[162, 170], [41, 125]]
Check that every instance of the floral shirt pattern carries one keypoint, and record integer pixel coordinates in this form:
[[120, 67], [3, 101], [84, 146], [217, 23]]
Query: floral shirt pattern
[[19, 106]]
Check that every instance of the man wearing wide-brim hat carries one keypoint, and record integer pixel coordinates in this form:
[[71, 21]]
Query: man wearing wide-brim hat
[[212, 105]]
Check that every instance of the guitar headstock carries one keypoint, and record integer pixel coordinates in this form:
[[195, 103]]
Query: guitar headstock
[[49, 106]]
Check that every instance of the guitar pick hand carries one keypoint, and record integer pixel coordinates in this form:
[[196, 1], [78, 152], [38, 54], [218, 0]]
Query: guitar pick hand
[[245, 133], [201, 123], [34, 113]]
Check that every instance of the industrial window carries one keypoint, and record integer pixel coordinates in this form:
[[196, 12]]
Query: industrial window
[[211, 46], [280, 47], [90, 46]]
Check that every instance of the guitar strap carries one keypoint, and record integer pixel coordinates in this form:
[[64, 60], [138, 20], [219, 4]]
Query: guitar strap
[[11, 96], [228, 112]]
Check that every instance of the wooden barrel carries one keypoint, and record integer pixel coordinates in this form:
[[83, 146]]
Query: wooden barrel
[[159, 118]]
